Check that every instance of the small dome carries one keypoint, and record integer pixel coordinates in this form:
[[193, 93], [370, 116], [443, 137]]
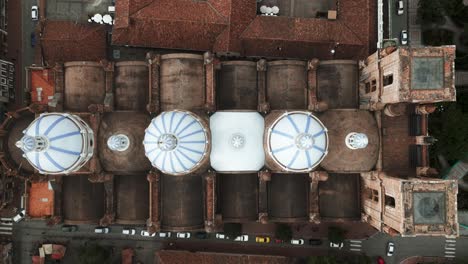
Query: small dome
[[176, 142], [297, 141], [57, 143]]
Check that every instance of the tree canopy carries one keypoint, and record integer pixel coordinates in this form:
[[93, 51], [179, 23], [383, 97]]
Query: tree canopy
[[94, 254]]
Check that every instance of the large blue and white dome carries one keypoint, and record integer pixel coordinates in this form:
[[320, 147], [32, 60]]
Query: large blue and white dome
[[57, 143], [297, 141], [176, 142]]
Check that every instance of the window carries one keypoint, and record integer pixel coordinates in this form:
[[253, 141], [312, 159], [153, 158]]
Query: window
[[373, 85], [367, 87], [389, 201], [388, 79], [372, 194]]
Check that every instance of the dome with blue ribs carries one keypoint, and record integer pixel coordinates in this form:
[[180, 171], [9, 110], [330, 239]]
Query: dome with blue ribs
[[297, 141], [57, 143], [176, 142]]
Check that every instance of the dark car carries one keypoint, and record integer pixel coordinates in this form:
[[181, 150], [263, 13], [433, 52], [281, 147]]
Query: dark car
[[33, 39], [315, 242], [201, 235], [69, 228]]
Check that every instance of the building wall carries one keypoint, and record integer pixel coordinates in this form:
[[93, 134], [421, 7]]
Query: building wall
[[7, 81]]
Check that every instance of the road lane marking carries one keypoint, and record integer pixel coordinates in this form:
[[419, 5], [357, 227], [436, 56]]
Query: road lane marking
[[355, 249], [356, 241]]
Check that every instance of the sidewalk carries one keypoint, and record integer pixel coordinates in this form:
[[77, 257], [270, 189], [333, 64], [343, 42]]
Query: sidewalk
[[414, 29]]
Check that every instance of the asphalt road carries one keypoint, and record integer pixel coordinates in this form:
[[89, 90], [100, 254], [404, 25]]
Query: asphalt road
[[397, 23], [28, 234], [28, 26]]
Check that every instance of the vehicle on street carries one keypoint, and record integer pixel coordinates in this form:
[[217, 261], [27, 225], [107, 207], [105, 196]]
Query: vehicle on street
[[315, 242], [34, 13], [221, 236], [145, 233], [338, 246], [20, 216], [129, 231], [278, 241], [297, 241], [69, 228], [183, 235], [201, 235], [380, 260], [404, 37], [33, 39], [242, 238], [390, 249], [101, 230], [164, 234], [260, 239], [400, 7]]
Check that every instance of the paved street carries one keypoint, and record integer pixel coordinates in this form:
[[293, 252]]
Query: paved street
[[396, 22], [28, 234], [28, 26]]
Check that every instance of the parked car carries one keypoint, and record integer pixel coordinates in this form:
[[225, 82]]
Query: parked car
[[338, 246], [297, 241], [101, 230], [278, 241], [400, 7], [34, 13], [183, 235], [145, 233], [69, 228], [390, 249], [242, 238], [201, 235], [315, 242], [33, 39], [164, 234], [260, 239], [380, 260], [20, 216], [404, 37], [221, 236], [129, 231]]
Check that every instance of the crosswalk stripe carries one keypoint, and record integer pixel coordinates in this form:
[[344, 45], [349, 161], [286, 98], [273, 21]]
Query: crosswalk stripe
[[6, 233], [355, 245], [356, 241], [448, 256], [450, 240], [355, 249], [450, 248]]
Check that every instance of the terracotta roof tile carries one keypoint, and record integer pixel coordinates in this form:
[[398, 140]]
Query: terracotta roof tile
[[41, 200], [233, 26], [44, 79], [66, 41]]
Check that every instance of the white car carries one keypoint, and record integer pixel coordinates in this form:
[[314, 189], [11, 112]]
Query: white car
[[404, 37], [145, 233], [34, 13], [390, 249], [20, 216], [129, 231], [164, 234], [221, 236], [242, 238], [297, 241], [101, 230], [338, 246], [400, 7], [183, 235]]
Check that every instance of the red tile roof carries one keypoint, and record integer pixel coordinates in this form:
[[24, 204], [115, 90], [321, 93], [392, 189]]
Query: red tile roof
[[66, 41], [168, 24], [233, 26], [44, 79], [41, 200], [183, 257]]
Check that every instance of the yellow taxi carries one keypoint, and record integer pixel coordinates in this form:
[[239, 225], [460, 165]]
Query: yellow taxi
[[262, 239]]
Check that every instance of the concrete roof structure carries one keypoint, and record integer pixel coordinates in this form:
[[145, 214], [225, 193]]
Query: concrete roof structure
[[181, 257], [233, 26]]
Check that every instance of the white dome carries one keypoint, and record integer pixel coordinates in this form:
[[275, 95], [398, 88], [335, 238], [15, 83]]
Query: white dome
[[175, 142], [57, 143], [297, 141]]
